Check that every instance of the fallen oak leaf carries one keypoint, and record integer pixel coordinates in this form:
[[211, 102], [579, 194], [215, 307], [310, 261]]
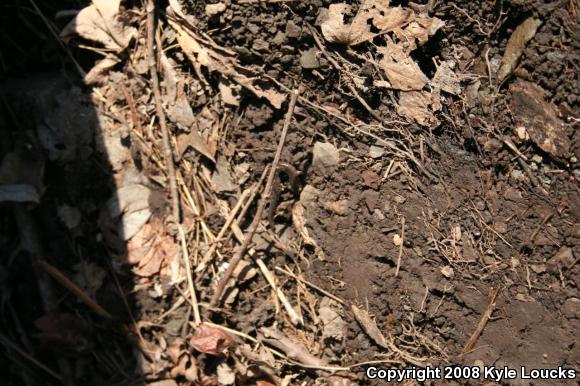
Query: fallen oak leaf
[[211, 340]]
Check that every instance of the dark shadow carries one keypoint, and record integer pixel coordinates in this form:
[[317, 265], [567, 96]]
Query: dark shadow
[[54, 186]]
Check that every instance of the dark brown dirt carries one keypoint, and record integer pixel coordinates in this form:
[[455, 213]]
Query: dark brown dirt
[[509, 231]]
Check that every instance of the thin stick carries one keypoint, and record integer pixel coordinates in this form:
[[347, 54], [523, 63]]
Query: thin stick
[[401, 246], [185, 254], [72, 287], [78, 67], [482, 322], [261, 206], [167, 151], [8, 343]]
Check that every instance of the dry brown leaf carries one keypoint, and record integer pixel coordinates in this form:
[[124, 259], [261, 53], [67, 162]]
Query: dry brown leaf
[[401, 71], [293, 350], [211, 340], [515, 46], [417, 105], [195, 141], [377, 12], [151, 249], [369, 326], [201, 55], [540, 118], [100, 22], [420, 29]]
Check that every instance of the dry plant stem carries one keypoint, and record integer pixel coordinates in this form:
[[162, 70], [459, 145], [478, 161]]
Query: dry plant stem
[[167, 152], [294, 317], [537, 184], [240, 253], [187, 266], [483, 321], [231, 217], [325, 293]]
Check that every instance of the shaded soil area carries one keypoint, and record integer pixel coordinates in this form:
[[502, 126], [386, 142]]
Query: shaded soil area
[[428, 225]]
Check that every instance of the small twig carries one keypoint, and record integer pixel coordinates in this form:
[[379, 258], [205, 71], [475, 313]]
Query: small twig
[[401, 246], [537, 230], [9, 344], [240, 253], [537, 184], [482, 322], [167, 151], [72, 287], [187, 266], [514, 148]]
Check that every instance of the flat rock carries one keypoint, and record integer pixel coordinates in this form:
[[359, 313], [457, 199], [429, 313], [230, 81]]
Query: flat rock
[[324, 155]]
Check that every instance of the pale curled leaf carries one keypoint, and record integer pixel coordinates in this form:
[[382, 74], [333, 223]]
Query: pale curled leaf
[[99, 22], [515, 46], [97, 74], [124, 214], [19, 193]]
